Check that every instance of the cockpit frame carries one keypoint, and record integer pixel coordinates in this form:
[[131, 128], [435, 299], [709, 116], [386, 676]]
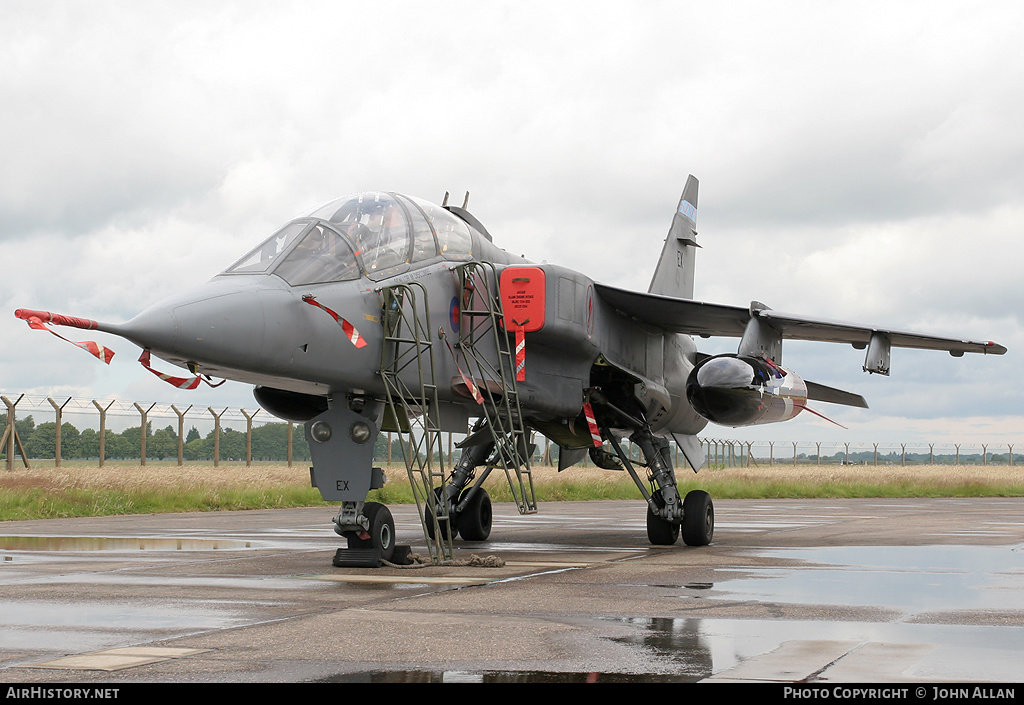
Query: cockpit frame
[[374, 235]]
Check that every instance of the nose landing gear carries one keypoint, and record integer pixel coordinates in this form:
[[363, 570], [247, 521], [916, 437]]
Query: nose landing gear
[[371, 545]]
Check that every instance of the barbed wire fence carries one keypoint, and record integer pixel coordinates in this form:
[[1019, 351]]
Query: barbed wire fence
[[101, 416]]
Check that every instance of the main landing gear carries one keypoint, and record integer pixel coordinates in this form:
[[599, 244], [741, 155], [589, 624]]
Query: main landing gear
[[469, 510], [667, 513]]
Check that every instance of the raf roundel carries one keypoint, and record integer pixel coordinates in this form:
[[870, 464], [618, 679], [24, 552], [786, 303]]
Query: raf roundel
[[453, 314]]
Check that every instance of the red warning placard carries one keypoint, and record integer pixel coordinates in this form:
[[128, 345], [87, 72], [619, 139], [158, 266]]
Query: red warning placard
[[522, 296]]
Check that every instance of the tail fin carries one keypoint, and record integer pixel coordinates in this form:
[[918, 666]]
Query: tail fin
[[674, 274]]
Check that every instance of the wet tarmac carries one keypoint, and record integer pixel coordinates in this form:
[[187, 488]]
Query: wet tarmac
[[811, 591]]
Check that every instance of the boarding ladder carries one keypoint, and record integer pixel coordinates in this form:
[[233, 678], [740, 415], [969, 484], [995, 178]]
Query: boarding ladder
[[407, 368], [489, 355]]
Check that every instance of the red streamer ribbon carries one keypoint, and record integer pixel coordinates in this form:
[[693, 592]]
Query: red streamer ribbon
[[520, 353], [179, 382], [595, 432], [350, 330], [477, 396], [38, 320]]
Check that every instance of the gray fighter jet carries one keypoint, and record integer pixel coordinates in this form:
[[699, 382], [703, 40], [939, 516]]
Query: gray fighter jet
[[382, 312]]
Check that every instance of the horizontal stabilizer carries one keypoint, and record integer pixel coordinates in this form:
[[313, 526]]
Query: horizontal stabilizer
[[819, 392]]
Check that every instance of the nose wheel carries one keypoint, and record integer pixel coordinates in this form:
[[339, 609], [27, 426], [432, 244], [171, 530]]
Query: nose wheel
[[374, 545]]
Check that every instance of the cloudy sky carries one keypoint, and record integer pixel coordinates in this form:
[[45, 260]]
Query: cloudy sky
[[858, 161]]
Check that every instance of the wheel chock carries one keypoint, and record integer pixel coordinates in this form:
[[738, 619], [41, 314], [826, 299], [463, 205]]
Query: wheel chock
[[369, 557]]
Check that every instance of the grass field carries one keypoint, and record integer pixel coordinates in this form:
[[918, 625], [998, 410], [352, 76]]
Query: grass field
[[122, 488]]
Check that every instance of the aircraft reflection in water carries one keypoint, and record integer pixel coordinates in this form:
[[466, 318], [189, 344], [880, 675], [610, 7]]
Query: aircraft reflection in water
[[381, 312]]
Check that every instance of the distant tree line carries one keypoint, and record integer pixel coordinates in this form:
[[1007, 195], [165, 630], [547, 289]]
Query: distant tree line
[[269, 442]]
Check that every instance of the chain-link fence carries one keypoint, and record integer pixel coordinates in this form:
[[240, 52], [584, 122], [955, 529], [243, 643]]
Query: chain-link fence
[[734, 453], [60, 429]]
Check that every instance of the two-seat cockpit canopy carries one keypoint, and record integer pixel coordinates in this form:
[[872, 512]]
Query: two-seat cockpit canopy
[[372, 234]]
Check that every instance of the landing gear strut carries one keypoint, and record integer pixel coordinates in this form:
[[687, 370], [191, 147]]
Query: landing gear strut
[[667, 512]]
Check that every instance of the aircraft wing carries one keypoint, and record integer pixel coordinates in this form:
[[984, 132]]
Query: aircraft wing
[[705, 319]]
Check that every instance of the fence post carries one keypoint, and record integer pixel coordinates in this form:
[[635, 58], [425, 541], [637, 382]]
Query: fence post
[[957, 453], [59, 413], [142, 431], [103, 427], [794, 453], [181, 433], [216, 434], [931, 453], [903, 457], [1010, 446], [248, 436], [11, 434], [847, 453], [876, 453], [291, 425], [984, 454], [819, 451], [771, 453]]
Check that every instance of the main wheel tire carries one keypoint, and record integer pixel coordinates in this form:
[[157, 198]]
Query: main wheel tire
[[449, 527], [698, 518], [659, 531], [475, 519]]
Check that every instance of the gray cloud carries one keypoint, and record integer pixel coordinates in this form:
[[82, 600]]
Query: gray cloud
[[860, 162]]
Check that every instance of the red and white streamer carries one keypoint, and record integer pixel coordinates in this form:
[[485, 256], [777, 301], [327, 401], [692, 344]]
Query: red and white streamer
[[179, 382], [38, 320], [595, 432], [477, 396], [350, 330], [520, 354]]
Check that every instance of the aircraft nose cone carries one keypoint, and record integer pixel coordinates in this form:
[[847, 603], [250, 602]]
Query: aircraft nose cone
[[222, 328], [154, 328], [217, 322]]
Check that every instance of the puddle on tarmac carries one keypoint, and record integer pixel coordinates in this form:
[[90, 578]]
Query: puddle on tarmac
[[698, 648], [915, 578], [687, 650], [76, 627], [116, 543]]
